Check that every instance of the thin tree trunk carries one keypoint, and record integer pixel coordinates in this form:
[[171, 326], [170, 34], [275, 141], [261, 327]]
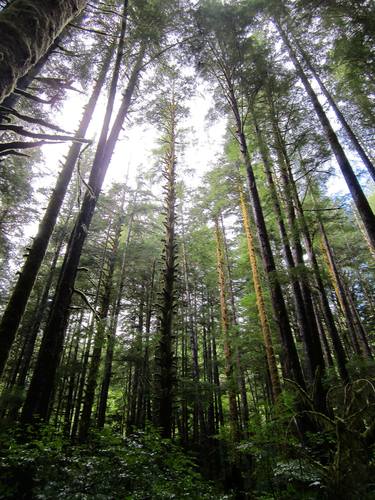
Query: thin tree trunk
[[327, 313], [290, 360], [233, 413], [191, 326], [99, 337], [102, 406], [355, 327], [72, 379], [339, 115], [238, 358], [266, 331], [302, 293]]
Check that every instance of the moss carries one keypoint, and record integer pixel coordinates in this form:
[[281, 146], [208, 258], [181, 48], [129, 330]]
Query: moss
[[28, 28]]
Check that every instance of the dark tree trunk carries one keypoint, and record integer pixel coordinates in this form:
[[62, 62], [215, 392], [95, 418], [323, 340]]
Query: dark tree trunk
[[331, 101], [359, 198], [21, 293], [301, 287], [328, 316], [165, 376], [27, 31], [304, 322], [262, 313], [23, 83], [41, 388], [290, 360], [100, 332], [352, 319]]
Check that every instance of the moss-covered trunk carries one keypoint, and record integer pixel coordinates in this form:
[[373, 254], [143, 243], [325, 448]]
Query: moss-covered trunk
[[28, 28]]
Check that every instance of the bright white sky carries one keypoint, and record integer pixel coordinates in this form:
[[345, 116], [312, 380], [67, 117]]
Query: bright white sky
[[203, 140]]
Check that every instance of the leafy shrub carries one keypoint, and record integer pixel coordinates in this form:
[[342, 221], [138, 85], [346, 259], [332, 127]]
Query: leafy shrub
[[142, 466]]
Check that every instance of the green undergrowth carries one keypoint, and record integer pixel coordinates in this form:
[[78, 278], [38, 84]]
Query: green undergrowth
[[142, 466]]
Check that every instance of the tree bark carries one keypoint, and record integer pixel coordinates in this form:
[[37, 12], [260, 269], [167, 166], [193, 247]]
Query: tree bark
[[27, 31], [266, 331], [112, 334], [290, 360], [301, 287], [355, 327], [331, 101], [165, 376], [18, 300], [355, 189], [233, 413], [41, 388]]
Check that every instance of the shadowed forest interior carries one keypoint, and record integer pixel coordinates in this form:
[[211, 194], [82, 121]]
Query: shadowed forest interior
[[200, 322]]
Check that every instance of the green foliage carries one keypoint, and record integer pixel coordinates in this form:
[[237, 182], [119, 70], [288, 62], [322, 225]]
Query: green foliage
[[141, 466]]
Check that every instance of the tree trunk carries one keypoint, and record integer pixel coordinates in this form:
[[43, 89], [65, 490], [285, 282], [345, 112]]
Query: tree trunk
[[233, 413], [23, 83], [355, 189], [112, 334], [99, 334], [355, 327], [266, 331], [21, 293], [191, 326], [40, 391], [327, 313], [339, 115], [27, 31], [290, 360], [301, 287], [165, 376]]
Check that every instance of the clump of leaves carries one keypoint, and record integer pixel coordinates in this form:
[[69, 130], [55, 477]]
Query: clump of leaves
[[142, 466]]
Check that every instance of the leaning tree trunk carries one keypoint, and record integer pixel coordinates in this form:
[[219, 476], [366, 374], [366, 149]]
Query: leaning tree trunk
[[23, 83], [27, 31], [18, 300], [301, 287], [355, 189], [355, 327], [326, 309], [331, 101], [301, 314], [41, 387]]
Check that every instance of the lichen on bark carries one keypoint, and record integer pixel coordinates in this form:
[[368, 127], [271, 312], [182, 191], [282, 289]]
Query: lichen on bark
[[28, 28]]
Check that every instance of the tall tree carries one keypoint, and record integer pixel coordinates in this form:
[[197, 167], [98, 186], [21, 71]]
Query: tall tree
[[40, 391], [165, 375], [20, 295], [359, 198]]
